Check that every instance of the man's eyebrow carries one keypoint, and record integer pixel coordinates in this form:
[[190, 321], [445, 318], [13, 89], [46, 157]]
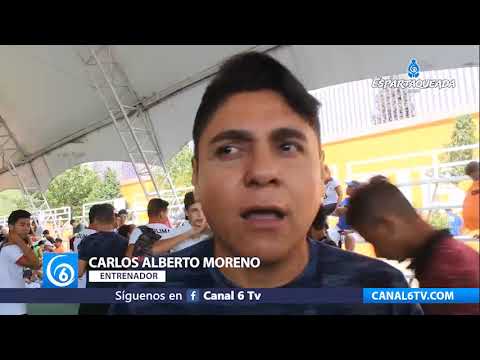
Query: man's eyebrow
[[281, 134], [234, 134]]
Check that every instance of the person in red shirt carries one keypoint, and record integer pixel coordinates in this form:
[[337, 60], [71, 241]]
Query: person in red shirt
[[471, 204], [385, 218]]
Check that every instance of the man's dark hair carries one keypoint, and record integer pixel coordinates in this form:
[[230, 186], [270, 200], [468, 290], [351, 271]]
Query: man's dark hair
[[91, 218], [58, 240], [46, 232], [17, 215], [125, 230], [253, 71], [373, 200], [155, 206], [123, 212], [102, 213], [377, 179], [472, 169], [189, 200], [73, 221]]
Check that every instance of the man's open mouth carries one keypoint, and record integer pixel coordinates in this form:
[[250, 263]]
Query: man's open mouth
[[264, 213]]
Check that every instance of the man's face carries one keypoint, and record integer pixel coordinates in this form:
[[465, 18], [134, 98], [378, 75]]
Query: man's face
[[195, 214], [21, 228], [259, 175], [123, 219], [164, 214], [350, 190]]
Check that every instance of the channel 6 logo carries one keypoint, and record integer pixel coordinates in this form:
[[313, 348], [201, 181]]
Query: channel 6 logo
[[60, 270]]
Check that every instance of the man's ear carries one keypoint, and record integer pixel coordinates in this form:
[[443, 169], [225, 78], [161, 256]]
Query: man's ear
[[196, 195], [387, 226], [194, 171]]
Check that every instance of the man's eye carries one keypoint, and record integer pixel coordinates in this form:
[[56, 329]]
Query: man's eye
[[290, 147], [226, 150]]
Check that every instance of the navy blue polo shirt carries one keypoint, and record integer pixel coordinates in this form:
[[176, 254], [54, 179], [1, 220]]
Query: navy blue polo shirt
[[102, 244]]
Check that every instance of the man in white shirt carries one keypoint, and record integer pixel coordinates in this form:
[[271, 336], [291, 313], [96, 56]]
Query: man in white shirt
[[194, 215], [15, 254], [156, 211], [333, 193]]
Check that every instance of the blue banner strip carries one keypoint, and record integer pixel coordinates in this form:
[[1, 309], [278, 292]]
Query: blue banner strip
[[241, 296], [421, 296], [182, 295]]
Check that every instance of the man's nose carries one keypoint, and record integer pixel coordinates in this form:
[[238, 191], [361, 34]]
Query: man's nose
[[262, 168]]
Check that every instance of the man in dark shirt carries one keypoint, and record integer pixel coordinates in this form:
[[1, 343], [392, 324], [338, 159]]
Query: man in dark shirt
[[385, 218], [104, 243], [257, 171]]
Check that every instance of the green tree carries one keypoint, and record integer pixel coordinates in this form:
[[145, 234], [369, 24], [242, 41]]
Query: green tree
[[73, 188], [12, 200], [109, 189], [463, 134], [180, 169]]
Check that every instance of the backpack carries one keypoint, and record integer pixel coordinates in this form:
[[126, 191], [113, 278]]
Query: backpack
[[143, 246]]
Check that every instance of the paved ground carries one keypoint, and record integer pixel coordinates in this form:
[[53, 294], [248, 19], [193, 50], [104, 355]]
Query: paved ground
[[52, 309]]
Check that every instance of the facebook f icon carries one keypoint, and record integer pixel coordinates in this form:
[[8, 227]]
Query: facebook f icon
[[193, 295]]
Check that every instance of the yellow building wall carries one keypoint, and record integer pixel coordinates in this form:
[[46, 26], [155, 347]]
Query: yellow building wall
[[413, 139]]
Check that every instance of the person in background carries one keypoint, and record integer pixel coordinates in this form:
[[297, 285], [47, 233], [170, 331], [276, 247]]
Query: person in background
[[454, 222], [387, 220], [126, 230], [343, 228], [59, 246], [195, 217], [49, 244], [104, 243], [123, 214], [3, 233], [471, 203], [46, 233], [116, 225], [156, 238], [91, 229], [333, 192], [37, 229], [38, 249], [15, 254], [318, 230]]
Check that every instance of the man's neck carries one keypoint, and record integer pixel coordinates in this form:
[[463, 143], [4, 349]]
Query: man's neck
[[267, 275], [104, 228], [156, 220], [421, 234]]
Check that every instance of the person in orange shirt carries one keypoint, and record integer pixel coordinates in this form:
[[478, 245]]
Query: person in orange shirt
[[58, 246], [471, 217]]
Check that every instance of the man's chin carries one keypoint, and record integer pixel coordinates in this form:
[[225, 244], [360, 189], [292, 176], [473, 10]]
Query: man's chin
[[267, 251]]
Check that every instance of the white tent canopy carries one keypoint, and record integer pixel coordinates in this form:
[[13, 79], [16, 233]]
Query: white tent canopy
[[58, 120]]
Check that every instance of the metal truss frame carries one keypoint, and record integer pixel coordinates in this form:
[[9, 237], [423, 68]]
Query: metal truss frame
[[129, 116], [9, 150]]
